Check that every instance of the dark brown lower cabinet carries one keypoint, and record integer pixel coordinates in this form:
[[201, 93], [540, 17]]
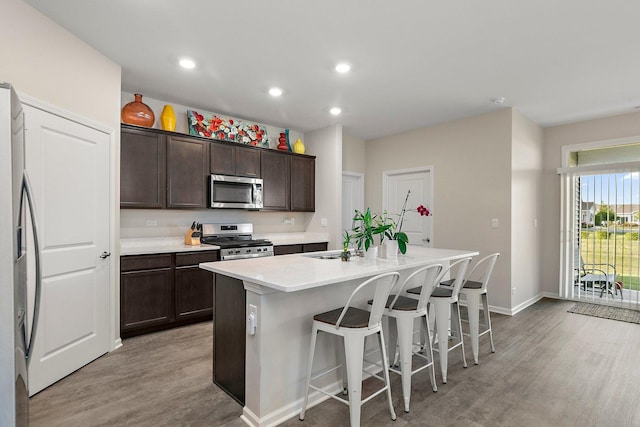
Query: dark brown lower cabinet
[[298, 248], [146, 299], [162, 291], [229, 345]]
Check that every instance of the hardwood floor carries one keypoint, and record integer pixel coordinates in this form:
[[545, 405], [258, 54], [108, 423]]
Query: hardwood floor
[[551, 368]]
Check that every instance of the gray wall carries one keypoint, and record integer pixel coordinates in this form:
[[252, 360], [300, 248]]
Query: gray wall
[[471, 180]]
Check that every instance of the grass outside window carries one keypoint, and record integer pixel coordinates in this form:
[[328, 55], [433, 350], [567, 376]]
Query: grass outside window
[[620, 248]]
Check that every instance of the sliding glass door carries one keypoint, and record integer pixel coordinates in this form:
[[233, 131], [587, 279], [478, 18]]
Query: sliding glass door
[[601, 225]]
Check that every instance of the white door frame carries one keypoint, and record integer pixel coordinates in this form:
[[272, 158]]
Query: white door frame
[[114, 206], [360, 177], [389, 173]]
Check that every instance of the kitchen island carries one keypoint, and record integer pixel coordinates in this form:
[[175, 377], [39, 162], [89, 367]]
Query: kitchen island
[[285, 293]]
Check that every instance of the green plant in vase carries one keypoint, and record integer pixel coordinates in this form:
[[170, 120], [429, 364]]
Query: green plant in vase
[[392, 233], [365, 227], [345, 255]]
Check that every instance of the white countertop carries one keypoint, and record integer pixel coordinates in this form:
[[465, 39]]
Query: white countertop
[[155, 245], [290, 273]]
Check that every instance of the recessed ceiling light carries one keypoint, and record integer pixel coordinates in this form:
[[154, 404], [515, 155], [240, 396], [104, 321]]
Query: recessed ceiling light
[[187, 63], [343, 68], [335, 111], [275, 91], [498, 100]]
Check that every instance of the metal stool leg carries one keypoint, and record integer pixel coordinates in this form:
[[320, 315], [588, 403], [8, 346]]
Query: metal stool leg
[[385, 370], [312, 348], [429, 350], [487, 316], [354, 353], [457, 324], [473, 308]]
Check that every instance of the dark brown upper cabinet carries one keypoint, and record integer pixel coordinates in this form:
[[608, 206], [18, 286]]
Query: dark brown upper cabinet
[[227, 159], [276, 177], [187, 172], [303, 183], [161, 169], [143, 160]]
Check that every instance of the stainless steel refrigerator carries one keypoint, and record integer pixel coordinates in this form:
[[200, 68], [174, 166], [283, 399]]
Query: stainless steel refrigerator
[[18, 242]]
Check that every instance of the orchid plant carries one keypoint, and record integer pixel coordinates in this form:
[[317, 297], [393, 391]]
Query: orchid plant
[[394, 231]]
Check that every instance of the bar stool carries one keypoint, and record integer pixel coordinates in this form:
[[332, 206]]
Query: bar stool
[[402, 311], [442, 299], [354, 325], [474, 292]]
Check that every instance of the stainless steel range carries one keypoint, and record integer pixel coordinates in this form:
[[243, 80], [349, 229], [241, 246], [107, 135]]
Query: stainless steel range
[[236, 241]]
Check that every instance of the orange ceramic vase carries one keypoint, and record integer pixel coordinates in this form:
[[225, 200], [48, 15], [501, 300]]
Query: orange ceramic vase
[[137, 113]]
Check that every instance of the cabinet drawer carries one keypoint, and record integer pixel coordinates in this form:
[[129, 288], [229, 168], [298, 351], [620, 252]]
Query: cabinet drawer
[[145, 262], [195, 258], [314, 247], [287, 249]]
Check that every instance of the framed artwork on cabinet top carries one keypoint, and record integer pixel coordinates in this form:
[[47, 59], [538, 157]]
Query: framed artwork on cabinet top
[[227, 129]]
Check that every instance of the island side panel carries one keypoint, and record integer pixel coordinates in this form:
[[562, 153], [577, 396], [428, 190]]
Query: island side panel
[[277, 354], [229, 336]]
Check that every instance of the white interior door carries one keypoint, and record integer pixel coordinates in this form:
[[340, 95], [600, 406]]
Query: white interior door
[[352, 197], [396, 184], [68, 163]]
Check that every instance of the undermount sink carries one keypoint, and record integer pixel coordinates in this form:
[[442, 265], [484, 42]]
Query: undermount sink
[[325, 255]]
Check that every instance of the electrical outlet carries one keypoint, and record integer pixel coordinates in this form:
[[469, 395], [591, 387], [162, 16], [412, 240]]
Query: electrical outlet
[[495, 223], [252, 320], [152, 223]]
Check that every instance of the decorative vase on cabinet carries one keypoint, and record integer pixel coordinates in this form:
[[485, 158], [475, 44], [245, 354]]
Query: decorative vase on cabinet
[[298, 147], [168, 118], [137, 113]]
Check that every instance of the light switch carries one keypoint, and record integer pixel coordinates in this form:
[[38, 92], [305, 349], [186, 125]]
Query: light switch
[[495, 223], [323, 222]]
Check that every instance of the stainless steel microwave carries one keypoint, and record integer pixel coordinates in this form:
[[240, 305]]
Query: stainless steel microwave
[[235, 192]]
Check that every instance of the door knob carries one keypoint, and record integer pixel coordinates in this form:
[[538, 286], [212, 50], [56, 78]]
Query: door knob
[[105, 254], [426, 240]]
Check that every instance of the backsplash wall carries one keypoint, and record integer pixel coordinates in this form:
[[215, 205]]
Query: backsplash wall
[[173, 223]]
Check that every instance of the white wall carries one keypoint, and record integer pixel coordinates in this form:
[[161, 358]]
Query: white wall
[[45, 61], [42, 59], [353, 154], [621, 126], [326, 144], [471, 181], [526, 202]]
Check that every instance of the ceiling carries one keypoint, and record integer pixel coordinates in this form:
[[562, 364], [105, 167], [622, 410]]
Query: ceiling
[[414, 62]]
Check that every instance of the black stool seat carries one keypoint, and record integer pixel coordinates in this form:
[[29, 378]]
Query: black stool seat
[[403, 303], [469, 284], [438, 292], [353, 318]]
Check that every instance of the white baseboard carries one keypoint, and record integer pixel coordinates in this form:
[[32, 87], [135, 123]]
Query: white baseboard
[[553, 295], [288, 411]]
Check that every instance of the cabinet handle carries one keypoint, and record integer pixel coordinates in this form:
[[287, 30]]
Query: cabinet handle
[[105, 255]]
